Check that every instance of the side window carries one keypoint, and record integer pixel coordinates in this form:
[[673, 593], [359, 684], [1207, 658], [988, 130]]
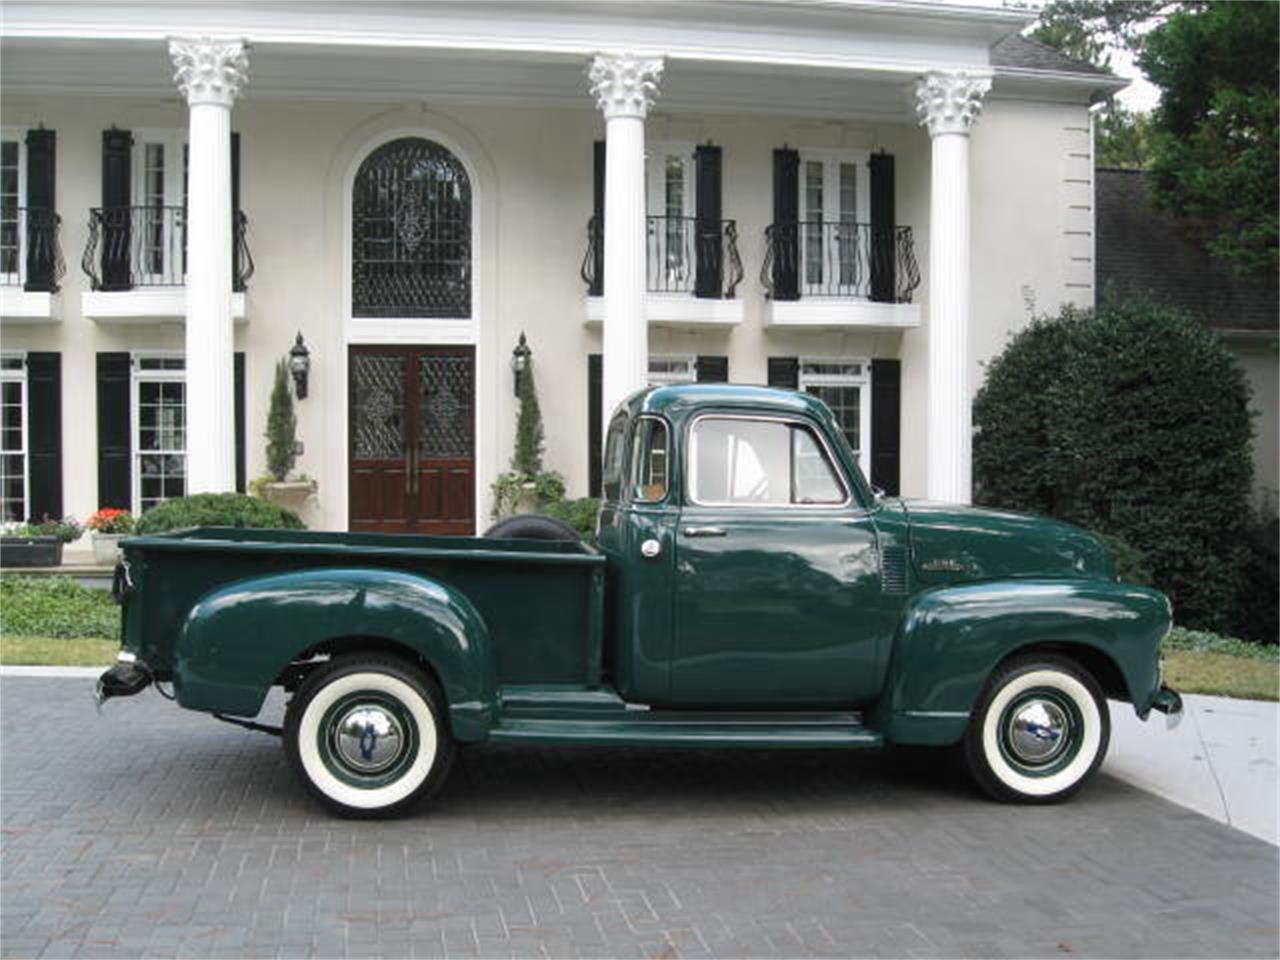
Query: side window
[[611, 475], [759, 462], [650, 461]]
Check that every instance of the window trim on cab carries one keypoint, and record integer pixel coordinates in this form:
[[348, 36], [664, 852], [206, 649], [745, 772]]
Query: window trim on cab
[[691, 464]]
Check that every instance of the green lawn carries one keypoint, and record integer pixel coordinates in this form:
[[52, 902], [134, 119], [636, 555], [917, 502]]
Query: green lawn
[[1222, 675], [57, 651]]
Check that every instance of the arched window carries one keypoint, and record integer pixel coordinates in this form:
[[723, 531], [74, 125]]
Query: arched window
[[411, 233]]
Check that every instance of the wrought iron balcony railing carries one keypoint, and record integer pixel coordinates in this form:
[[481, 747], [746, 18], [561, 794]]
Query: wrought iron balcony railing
[[30, 254], [826, 259], [682, 254], [147, 247]]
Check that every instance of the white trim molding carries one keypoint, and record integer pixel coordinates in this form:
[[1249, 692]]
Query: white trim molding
[[676, 310], [841, 313], [18, 306], [145, 305]]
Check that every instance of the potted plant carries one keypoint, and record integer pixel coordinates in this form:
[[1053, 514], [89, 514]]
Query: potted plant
[[282, 448], [526, 487], [109, 525], [37, 544]]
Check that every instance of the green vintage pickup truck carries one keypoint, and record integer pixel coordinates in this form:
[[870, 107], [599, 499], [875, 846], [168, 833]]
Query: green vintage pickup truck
[[746, 588]]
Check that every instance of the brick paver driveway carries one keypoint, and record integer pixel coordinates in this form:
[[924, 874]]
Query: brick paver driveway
[[153, 831]]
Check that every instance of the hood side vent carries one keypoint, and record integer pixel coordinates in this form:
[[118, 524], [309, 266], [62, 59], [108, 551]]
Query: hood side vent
[[893, 570]]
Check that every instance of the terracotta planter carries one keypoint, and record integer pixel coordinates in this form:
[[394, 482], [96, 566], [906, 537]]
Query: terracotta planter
[[290, 494], [30, 552], [106, 548]]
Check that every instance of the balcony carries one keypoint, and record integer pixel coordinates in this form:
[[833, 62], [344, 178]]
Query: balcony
[[31, 265], [136, 262], [840, 275], [692, 272]]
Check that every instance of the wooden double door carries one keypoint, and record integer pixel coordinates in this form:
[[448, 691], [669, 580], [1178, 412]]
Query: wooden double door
[[412, 439]]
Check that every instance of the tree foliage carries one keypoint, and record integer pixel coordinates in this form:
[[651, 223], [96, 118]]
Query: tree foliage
[[1135, 423], [282, 426], [530, 442], [1211, 146]]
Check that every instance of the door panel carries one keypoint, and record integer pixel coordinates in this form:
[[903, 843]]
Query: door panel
[[412, 442]]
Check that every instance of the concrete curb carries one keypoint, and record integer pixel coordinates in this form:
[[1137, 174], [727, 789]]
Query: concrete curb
[[63, 672]]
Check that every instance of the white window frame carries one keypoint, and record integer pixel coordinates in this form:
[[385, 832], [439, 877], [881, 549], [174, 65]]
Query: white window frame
[[20, 376], [174, 142], [831, 161], [138, 376], [862, 381], [20, 136], [665, 377]]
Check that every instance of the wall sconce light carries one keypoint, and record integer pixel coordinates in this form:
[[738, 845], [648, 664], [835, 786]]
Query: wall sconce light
[[299, 366], [520, 361]]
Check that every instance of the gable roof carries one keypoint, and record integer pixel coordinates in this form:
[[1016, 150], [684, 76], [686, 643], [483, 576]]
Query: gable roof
[[1144, 253], [1024, 53]]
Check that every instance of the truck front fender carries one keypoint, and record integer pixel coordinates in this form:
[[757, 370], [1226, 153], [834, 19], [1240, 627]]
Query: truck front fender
[[237, 639], [951, 638]]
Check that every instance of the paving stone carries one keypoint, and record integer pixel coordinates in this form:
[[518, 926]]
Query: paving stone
[[151, 831]]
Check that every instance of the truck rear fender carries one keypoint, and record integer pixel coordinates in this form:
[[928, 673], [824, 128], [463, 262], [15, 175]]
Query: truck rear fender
[[238, 639], [950, 639]]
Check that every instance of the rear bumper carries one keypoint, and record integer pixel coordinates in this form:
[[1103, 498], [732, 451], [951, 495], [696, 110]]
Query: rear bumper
[[1168, 702], [127, 677]]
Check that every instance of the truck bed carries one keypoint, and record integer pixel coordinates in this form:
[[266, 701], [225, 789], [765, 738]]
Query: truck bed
[[542, 601]]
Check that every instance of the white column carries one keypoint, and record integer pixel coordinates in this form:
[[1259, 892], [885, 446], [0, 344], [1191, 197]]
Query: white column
[[624, 86], [210, 73], [949, 103]]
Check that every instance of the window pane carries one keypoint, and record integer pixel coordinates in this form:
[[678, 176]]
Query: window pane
[[649, 459], [612, 473], [741, 461], [848, 193], [846, 403], [816, 480]]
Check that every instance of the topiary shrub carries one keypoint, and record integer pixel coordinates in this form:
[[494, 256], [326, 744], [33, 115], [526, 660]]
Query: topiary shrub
[[217, 510], [1133, 422], [282, 427]]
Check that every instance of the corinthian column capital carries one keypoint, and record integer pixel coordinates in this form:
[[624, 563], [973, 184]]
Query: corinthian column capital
[[950, 102], [208, 70], [624, 84]]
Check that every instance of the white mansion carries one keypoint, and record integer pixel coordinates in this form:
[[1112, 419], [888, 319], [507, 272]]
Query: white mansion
[[858, 198]]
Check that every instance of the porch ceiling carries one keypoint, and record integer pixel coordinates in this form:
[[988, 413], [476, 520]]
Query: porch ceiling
[[821, 59]]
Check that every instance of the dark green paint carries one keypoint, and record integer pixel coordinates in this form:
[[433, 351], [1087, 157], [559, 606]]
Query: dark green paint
[[798, 616]]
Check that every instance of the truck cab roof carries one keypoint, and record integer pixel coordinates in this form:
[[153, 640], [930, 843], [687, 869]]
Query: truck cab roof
[[680, 398]]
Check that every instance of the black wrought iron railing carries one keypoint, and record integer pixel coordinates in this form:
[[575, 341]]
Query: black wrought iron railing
[[839, 259], [132, 247], [682, 255], [30, 254]]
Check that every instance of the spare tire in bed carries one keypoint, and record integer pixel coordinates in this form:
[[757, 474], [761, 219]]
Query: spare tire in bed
[[532, 526]]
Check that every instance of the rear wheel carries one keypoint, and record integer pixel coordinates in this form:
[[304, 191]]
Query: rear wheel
[[533, 526], [367, 735], [1039, 730]]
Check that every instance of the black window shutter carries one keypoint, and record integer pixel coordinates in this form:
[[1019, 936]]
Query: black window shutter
[[886, 425], [238, 377], [784, 372], [42, 206], [44, 433], [713, 369], [116, 241], [785, 245], [595, 422], [882, 228], [596, 287], [115, 480], [709, 280], [236, 282]]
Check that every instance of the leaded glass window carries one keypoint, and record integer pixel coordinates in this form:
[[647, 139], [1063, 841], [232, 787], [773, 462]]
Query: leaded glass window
[[411, 233]]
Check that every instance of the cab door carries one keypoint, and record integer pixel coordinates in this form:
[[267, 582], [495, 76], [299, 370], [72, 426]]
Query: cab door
[[777, 587]]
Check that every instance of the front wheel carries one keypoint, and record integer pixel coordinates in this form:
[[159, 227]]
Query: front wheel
[[1038, 731], [367, 735]]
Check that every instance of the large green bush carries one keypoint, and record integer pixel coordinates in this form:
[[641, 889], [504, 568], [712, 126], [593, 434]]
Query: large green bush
[[56, 607], [217, 510], [580, 514], [1133, 422]]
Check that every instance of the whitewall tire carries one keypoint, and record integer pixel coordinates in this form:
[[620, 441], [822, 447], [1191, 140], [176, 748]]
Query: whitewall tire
[[1039, 730], [368, 735]]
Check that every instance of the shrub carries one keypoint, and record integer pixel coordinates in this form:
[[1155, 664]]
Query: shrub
[[56, 607], [110, 520], [1133, 422], [282, 427], [580, 514], [67, 529], [1131, 565], [217, 510]]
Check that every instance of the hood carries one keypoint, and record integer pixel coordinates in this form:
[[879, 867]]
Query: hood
[[952, 543]]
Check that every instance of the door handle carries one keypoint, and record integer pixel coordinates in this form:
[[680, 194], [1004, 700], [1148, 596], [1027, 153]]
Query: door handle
[[704, 531]]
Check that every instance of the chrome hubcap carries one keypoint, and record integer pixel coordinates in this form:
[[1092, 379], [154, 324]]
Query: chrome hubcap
[[1038, 731], [368, 738]]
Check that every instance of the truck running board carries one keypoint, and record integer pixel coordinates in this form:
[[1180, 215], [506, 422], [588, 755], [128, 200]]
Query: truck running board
[[736, 730]]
